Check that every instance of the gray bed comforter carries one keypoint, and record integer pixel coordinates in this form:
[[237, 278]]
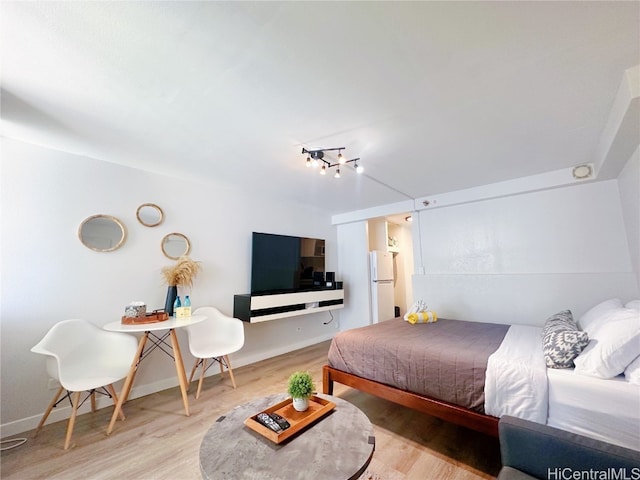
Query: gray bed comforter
[[445, 360]]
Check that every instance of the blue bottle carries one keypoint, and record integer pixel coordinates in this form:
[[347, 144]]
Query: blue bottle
[[187, 306], [177, 304]]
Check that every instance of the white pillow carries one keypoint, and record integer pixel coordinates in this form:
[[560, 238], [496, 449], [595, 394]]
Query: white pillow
[[598, 315], [613, 347], [634, 304], [632, 372]]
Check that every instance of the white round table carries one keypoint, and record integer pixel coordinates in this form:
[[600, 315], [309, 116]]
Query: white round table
[[158, 341]]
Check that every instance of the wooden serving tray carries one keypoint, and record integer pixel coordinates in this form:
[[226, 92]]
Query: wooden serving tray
[[149, 318], [318, 408]]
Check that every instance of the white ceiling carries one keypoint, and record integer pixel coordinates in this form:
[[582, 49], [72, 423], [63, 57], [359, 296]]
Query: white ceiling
[[433, 96]]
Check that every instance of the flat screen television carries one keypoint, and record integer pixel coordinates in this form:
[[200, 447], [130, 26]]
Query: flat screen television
[[284, 264]]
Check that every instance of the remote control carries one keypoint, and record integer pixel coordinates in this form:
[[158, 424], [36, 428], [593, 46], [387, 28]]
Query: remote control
[[268, 422], [281, 421]]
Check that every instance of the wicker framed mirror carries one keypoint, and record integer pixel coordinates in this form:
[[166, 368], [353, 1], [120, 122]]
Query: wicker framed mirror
[[175, 245], [102, 233], [150, 215]]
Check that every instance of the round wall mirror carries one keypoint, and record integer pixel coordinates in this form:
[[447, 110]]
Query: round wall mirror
[[175, 245], [150, 215], [102, 233]]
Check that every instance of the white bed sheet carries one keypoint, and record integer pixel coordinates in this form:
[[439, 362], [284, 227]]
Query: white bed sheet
[[605, 409], [516, 377]]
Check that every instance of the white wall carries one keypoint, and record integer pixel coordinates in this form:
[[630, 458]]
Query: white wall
[[629, 186], [521, 258], [353, 260], [48, 275]]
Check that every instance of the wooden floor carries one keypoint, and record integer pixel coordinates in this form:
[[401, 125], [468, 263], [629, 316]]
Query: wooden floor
[[157, 441]]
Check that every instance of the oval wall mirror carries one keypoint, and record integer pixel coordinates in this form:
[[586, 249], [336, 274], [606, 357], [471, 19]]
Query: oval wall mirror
[[102, 233], [175, 245], [150, 214]]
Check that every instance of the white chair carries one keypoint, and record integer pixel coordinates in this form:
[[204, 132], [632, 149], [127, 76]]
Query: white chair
[[84, 358], [214, 338]]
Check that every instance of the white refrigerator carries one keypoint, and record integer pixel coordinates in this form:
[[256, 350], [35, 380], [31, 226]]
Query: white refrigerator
[[382, 299]]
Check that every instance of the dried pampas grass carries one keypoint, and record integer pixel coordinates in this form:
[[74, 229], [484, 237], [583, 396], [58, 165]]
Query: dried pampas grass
[[182, 273]]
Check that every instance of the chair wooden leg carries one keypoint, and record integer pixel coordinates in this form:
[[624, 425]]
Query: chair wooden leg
[[48, 410], [221, 367], [114, 396], [72, 419], [193, 370], [93, 401], [233, 380], [204, 367]]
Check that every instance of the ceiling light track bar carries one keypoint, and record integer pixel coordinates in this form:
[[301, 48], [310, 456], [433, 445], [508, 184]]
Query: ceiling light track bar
[[304, 150], [331, 165], [315, 159]]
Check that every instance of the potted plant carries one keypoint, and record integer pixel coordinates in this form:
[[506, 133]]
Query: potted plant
[[300, 388], [181, 274]]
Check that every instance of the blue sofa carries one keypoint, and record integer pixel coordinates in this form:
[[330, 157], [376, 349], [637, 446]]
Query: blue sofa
[[534, 451]]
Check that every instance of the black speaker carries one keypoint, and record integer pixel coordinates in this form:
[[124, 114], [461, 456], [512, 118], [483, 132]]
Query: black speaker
[[330, 280], [318, 279]]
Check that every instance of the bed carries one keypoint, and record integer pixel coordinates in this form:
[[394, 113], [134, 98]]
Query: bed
[[436, 368], [472, 373]]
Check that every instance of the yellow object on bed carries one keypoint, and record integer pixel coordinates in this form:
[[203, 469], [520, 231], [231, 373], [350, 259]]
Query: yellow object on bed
[[422, 317]]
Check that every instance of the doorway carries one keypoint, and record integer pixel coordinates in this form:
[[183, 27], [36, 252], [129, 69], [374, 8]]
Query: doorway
[[394, 234]]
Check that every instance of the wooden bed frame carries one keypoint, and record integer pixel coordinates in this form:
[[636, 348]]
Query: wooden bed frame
[[437, 408]]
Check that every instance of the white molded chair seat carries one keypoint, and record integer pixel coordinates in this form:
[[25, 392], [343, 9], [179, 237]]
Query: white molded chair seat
[[214, 338], [83, 357]]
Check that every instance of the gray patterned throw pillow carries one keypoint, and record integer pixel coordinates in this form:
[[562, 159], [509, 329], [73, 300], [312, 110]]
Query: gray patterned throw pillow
[[562, 340]]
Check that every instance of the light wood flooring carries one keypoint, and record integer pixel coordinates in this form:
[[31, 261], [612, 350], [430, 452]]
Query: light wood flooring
[[157, 441]]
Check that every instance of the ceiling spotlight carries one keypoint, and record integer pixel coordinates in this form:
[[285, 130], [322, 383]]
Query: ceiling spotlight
[[316, 158]]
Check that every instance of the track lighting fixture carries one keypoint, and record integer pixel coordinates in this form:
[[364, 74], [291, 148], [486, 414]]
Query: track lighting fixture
[[316, 158]]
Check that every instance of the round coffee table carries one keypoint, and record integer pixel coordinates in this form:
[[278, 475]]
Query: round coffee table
[[340, 445]]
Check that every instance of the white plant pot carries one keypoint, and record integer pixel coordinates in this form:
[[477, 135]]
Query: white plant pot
[[301, 404]]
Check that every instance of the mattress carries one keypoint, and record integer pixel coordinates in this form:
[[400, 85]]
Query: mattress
[[445, 360], [605, 409]]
